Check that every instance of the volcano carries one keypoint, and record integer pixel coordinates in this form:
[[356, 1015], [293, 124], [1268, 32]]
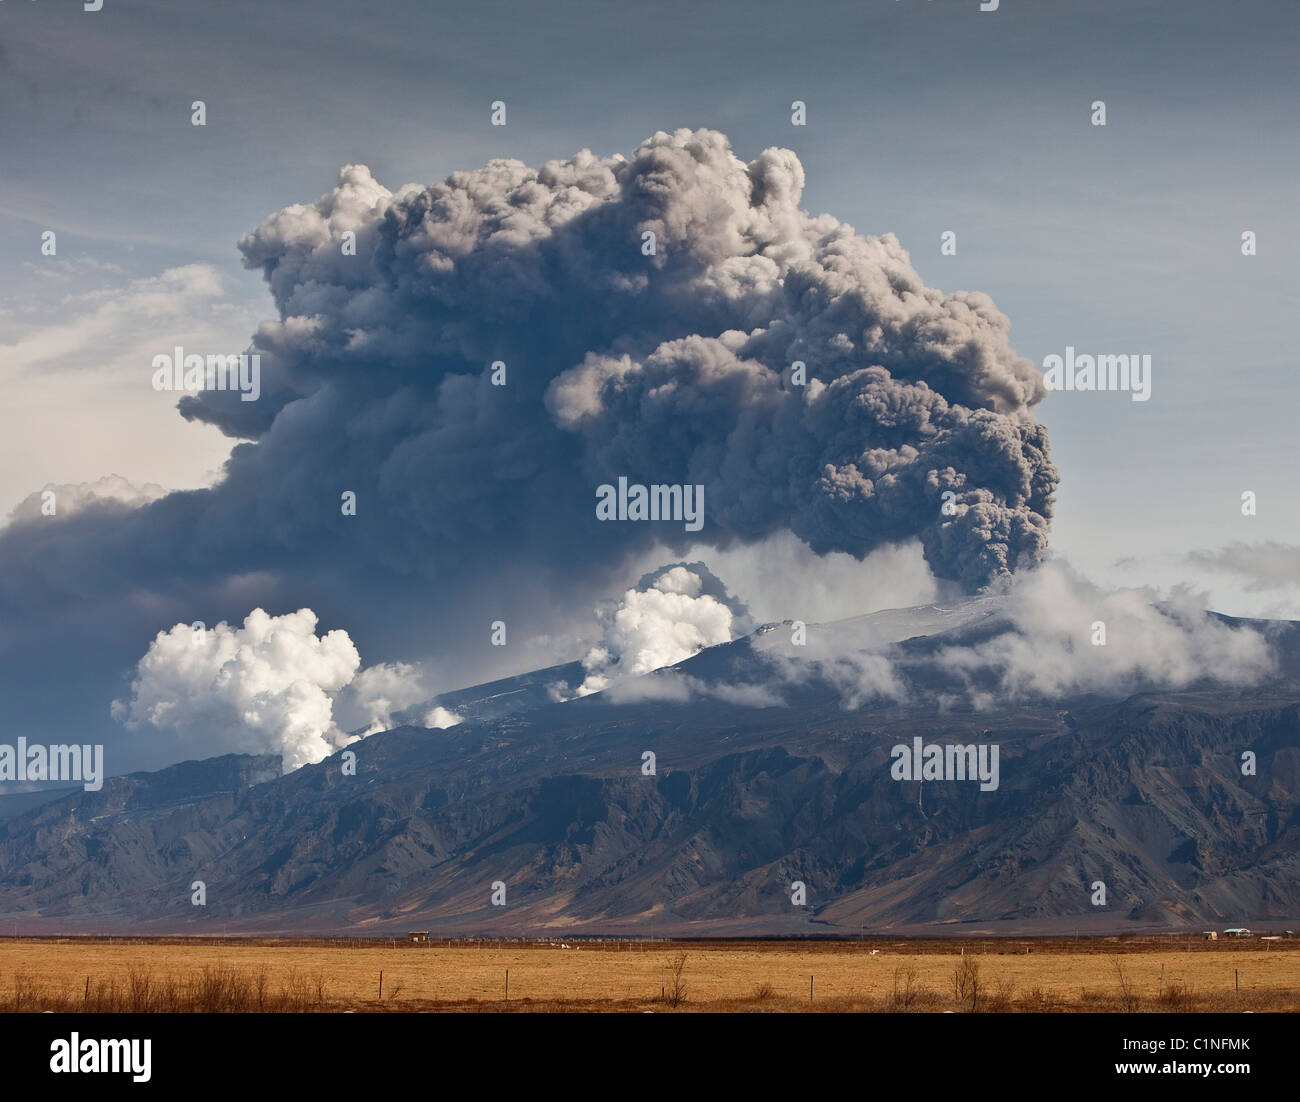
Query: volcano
[[685, 805]]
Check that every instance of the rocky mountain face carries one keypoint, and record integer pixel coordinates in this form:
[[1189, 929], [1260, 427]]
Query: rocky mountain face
[[1145, 794]]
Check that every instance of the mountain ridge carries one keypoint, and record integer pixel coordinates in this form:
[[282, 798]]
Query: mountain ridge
[[1144, 792]]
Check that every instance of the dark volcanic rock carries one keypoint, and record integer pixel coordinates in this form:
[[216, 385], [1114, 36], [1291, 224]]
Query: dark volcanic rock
[[1145, 794]]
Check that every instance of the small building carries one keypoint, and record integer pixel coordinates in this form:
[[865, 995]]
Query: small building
[[1237, 931], [1211, 935], [418, 937]]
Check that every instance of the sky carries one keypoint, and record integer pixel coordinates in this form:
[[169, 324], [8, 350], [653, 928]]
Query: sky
[[922, 117]]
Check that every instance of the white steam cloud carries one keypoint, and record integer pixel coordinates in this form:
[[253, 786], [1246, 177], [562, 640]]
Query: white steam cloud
[[441, 718], [1035, 642], [367, 703], [1267, 565], [668, 616], [271, 686], [1168, 643]]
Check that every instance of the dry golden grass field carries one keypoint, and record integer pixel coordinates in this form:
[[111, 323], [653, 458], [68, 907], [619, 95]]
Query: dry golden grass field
[[996, 975]]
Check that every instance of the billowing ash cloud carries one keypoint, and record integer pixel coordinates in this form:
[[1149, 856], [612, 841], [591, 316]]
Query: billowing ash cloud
[[269, 686], [476, 502], [670, 369], [669, 615]]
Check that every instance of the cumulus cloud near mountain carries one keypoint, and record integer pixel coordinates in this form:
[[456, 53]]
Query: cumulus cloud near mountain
[[1073, 637], [671, 614], [1050, 635], [269, 686]]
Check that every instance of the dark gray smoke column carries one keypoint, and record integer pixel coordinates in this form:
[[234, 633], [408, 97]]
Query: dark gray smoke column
[[667, 368]]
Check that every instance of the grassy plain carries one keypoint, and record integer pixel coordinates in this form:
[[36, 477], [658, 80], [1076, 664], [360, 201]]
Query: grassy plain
[[994, 975]]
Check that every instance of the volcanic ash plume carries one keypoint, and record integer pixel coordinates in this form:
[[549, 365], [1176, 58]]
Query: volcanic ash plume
[[648, 314]]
